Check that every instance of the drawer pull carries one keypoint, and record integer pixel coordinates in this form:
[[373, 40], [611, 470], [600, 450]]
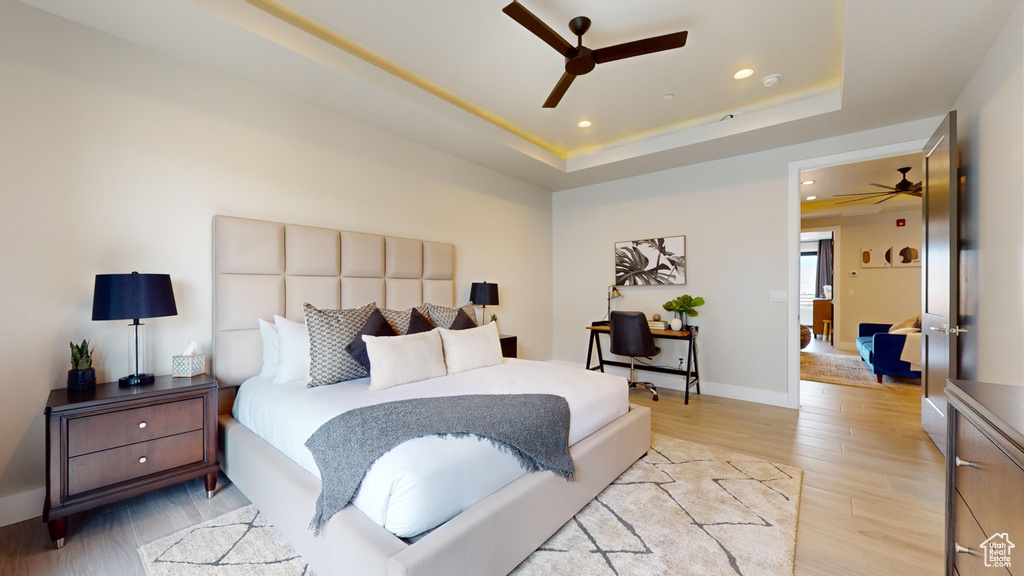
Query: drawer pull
[[962, 462], [961, 549], [142, 424], [142, 460]]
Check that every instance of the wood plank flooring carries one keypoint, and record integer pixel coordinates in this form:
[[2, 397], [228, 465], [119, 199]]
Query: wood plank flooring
[[872, 494]]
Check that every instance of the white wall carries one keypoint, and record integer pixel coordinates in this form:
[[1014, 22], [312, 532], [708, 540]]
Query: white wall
[[881, 295], [114, 158], [991, 133], [734, 213]]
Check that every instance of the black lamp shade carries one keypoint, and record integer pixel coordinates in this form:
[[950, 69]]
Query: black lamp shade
[[484, 294], [132, 296]]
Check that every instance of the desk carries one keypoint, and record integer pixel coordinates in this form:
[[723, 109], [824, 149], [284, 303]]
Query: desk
[[691, 373]]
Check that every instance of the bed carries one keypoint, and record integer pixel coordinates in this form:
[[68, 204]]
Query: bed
[[265, 268]]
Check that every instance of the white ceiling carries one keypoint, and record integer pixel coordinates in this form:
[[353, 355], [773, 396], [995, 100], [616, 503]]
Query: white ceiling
[[462, 77], [856, 178]]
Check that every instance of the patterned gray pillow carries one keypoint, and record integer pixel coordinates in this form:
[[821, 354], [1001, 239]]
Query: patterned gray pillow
[[444, 317], [400, 319], [329, 332]]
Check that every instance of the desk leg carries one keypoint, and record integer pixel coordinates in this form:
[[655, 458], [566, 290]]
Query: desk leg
[[590, 349], [689, 364], [595, 341], [600, 355], [696, 367]]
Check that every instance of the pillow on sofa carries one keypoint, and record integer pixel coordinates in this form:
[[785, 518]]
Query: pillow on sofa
[[904, 331], [912, 322]]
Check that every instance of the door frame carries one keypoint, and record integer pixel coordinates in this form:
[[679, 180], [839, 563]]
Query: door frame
[[837, 275], [795, 167]]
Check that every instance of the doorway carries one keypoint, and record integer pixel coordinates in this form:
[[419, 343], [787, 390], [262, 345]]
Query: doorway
[[865, 203]]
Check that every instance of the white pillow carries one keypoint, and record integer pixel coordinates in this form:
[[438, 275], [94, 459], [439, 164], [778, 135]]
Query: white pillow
[[269, 334], [472, 348], [396, 360], [905, 331], [292, 351]]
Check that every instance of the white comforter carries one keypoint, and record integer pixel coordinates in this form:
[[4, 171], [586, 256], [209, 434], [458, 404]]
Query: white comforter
[[422, 483]]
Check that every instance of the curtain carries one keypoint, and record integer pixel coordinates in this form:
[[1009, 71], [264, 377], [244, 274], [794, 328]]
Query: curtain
[[824, 267]]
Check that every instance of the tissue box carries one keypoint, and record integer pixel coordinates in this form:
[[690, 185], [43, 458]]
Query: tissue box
[[187, 366]]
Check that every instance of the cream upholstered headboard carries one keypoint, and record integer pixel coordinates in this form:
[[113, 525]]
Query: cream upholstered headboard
[[265, 268]]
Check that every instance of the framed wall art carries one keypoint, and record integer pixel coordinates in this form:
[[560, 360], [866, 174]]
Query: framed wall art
[[876, 257], [651, 262]]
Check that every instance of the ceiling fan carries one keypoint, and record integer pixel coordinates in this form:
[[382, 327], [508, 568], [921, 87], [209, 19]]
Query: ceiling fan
[[904, 186], [579, 59]]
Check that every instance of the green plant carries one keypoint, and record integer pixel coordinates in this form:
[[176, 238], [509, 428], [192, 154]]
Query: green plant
[[685, 305], [81, 356], [494, 317]]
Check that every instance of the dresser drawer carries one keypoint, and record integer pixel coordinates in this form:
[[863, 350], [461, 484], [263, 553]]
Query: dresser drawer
[[991, 485], [968, 534], [113, 429], [109, 467]]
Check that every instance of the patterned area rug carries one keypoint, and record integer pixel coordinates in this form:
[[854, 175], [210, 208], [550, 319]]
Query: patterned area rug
[[682, 509], [848, 370]]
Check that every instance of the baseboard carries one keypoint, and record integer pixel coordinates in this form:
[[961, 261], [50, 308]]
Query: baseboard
[[730, 391], [18, 507]]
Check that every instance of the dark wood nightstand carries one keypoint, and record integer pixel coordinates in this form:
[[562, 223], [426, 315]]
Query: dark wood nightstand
[[112, 443], [509, 346]]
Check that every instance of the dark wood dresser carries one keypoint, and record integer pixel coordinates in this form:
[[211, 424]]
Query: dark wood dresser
[[509, 346], [112, 443], [984, 478]]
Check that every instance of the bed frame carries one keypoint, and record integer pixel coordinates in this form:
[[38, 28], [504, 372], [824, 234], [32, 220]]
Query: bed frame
[[264, 268]]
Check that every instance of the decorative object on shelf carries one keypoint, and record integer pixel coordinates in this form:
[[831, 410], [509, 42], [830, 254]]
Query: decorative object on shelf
[[876, 257], [132, 297], [82, 375], [613, 294], [685, 306], [656, 318], [189, 364], [483, 294], [652, 262]]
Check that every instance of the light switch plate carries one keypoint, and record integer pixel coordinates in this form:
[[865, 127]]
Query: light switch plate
[[778, 296]]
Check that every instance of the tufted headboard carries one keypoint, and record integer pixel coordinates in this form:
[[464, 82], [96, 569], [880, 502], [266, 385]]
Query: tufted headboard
[[265, 268]]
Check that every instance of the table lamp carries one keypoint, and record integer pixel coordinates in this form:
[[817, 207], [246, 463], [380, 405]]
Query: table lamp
[[484, 294], [613, 294], [131, 297]]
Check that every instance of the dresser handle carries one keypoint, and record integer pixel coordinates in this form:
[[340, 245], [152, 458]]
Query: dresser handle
[[961, 462], [961, 550], [142, 424], [142, 460]]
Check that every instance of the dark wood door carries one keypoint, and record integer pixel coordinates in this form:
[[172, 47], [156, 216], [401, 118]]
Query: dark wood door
[[940, 273]]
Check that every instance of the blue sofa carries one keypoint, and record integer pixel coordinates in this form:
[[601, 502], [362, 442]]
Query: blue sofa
[[882, 350]]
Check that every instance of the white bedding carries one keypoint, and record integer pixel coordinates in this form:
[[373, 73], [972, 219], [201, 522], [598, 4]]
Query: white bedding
[[422, 483]]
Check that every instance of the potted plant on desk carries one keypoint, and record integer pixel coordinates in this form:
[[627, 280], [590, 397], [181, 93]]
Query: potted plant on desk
[[685, 306], [82, 375]]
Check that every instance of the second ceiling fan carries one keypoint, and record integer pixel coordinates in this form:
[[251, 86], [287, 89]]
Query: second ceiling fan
[[904, 186], [579, 59]]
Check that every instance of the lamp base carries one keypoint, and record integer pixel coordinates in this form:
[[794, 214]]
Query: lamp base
[[136, 379]]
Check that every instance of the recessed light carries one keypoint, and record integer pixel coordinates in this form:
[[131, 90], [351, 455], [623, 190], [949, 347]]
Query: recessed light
[[812, 197], [584, 124], [745, 73], [669, 96], [807, 182]]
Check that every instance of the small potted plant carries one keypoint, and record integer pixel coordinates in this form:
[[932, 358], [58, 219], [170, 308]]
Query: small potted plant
[[685, 306], [82, 375], [494, 318]]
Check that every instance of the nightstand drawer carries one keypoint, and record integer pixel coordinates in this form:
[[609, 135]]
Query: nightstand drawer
[[109, 467], [991, 483], [113, 429]]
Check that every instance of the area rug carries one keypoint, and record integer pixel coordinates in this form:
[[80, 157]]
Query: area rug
[[848, 370], [682, 509]]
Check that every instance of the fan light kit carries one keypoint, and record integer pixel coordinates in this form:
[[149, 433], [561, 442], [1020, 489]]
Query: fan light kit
[[771, 80], [745, 73], [904, 186], [579, 59], [584, 124]]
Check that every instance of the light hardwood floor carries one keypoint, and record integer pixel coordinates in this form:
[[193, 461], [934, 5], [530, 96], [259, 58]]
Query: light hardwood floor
[[872, 499]]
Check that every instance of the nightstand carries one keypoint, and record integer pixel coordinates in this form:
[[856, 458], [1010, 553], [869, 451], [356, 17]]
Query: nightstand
[[113, 442], [509, 346]]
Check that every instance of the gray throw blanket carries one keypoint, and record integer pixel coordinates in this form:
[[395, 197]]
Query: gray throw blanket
[[532, 427]]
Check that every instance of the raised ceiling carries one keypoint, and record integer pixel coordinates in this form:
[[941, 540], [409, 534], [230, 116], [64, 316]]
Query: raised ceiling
[[831, 182], [462, 77]]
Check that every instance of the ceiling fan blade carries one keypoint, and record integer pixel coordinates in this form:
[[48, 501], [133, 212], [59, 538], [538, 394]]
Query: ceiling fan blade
[[526, 18], [884, 199], [884, 186], [640, 47], [559, 91], [852, 200], [867, 193]]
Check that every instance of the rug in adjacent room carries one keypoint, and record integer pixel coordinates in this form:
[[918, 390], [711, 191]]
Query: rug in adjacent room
[[682, 509], [848, 370]]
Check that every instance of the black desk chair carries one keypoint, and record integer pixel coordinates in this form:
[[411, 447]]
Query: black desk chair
[[631, 336]]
